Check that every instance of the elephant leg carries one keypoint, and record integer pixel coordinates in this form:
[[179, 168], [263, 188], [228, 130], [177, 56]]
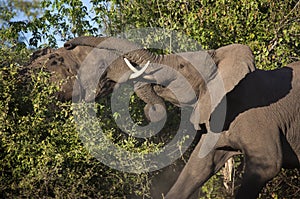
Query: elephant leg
[[163, 181], [255, 176], [263, 159], [197, 171]]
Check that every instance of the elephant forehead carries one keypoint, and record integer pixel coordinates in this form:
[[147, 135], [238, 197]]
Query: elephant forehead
[[202, 62], [163, 74], [95, 63], [196, 58], [81, 52]]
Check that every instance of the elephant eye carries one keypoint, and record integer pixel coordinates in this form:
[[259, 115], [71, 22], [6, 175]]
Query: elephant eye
[[53, 55], [61, 59], [181, 66], [53, 63]]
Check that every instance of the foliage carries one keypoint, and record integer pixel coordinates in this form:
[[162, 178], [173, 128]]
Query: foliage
[[59, 21], [12, 29], [41, 153], [285, 185]]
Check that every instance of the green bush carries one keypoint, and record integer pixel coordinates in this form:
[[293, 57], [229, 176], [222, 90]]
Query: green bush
[[41, 152]]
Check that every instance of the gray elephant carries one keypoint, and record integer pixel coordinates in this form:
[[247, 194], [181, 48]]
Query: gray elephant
[[249, 100], [263, 124], [269, 146], [86, 59]]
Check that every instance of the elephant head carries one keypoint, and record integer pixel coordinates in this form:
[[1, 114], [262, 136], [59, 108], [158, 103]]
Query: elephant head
[[63, 65], [218, 72]]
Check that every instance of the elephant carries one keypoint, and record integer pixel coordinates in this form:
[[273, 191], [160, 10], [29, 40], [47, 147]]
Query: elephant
[[85, 59], [250, 98], [263, 124]]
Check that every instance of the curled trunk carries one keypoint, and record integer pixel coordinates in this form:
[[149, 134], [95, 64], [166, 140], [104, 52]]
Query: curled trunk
[[155, 108]]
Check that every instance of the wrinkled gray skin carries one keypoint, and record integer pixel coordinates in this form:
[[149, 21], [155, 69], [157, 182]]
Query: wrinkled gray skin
[[105, 56], [263, 124]]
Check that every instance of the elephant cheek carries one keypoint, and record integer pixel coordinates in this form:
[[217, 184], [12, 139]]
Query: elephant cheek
[[155, 113]]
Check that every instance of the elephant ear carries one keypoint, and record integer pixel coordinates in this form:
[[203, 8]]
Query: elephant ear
[[233, 63]]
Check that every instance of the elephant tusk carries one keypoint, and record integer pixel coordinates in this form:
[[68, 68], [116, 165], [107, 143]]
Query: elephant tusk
[[139, 72], [136, 73], [149, 77], [130, 65]]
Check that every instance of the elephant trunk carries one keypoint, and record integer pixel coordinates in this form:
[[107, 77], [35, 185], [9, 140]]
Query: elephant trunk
[[116, 45], [155, 109], [121, 47], [84, 41]]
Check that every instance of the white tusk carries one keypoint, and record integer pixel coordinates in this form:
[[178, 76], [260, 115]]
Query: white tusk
[[149, 77], [130, 65], [140, 72]]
